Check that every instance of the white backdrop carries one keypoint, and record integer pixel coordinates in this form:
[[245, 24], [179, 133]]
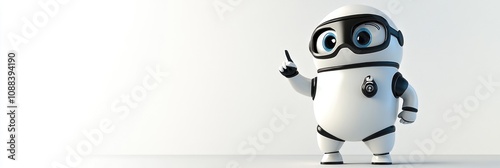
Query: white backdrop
[[181, 77]]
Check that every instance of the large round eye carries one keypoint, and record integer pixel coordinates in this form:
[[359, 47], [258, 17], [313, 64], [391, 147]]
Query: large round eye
[[326, 42], [368, 35]]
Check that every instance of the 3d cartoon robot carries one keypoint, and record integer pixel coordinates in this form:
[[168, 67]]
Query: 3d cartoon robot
[[357, 51]]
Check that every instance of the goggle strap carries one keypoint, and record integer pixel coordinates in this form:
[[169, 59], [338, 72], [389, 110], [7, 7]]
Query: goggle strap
[[398, 34]]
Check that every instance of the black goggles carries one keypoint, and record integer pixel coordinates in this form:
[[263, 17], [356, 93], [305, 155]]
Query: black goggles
[[346, 37]]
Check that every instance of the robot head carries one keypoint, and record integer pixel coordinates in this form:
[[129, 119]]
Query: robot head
[[356, 36]]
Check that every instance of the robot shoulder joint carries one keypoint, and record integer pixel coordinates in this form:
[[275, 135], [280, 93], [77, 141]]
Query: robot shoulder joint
[[314, 82], [399, 85]]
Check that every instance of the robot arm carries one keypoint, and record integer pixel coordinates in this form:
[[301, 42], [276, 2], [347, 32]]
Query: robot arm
[[410, 100], [300, 83], [401, 88]]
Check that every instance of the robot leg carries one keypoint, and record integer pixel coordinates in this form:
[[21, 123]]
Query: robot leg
[[381, 144], [330, 145]]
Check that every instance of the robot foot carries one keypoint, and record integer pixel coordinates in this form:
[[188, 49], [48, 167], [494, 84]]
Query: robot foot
[[332, 158], [381, 159]]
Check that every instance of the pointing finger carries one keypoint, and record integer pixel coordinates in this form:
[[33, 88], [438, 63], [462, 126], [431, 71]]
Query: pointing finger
[[288, 56]]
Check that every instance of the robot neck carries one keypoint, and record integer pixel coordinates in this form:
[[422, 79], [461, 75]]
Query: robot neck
[[360, 65]]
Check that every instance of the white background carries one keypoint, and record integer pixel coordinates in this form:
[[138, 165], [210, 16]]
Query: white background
[[223, 85]]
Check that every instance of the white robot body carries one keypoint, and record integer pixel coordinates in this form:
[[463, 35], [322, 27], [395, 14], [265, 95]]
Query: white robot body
[[344, 111], [357, 51]]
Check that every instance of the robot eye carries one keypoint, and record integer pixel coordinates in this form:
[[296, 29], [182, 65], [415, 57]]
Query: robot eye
[[326, 42], [368, 34]]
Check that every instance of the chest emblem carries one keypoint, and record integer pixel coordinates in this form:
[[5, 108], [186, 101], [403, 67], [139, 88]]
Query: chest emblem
[[369, 87]]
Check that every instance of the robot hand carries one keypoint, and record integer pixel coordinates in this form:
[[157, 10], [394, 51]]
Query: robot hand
[[288, 69], [407, 117]]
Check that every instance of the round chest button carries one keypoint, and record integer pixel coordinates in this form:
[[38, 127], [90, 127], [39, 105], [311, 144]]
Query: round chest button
[[369, 87]]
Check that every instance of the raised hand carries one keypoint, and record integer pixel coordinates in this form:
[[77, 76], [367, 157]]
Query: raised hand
[[288, 68]]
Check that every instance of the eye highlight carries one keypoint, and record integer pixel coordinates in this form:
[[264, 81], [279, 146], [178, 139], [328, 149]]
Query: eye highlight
[[326, 42], [368, 34]]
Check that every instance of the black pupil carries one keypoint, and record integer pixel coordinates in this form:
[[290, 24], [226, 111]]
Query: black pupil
[[363, 38], [330, 42]]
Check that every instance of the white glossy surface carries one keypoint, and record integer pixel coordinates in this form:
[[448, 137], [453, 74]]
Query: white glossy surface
[[288, 161]]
